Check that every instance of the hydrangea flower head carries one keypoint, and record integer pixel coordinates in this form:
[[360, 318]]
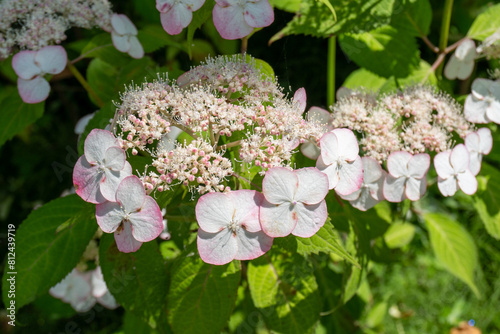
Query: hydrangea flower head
[[340, 160], [134, 217], [229, 227], [124, 36], [461, 62], [453, 171], [177, 14], [236, 19], [31, 66], [483, 105], [100, 170], [407, 176], [478, 143], [294, 202]]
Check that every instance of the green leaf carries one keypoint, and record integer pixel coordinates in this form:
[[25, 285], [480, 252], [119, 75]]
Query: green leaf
[[138, 280], [16, 115], [101, 77], [199, 18], [364, 79], [413, 17], [420, 75], [49, 244], [384, 51], [102, 47], [291, 6], [284, 289], [201, 296], [453, 247], [487, 200], [485, 23], [399, 235], [153, 37]]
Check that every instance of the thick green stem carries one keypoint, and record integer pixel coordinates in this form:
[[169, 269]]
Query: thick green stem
[[330, 80], [85, 84], [445, 30]]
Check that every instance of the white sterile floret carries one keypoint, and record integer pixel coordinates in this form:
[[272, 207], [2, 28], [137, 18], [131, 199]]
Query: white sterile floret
[[461, 62], [407, 176], [478, 143], [100, 290], [124, 36], [294, 202], [75, 289], [453, 171], [483, 104], [340, 161], [323, 119], [370, 192]]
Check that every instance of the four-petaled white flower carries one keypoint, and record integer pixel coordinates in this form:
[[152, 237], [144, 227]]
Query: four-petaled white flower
[[340, 161], [236, 19], [124, 36], [483, 104], [453, 171], [294, 202], [321, 116], [478, 143], [229, 227], [75, 289], [134, 217], [100, 170], [31, 66], [177, 14], [461, 62], [370, 192], [407, 176]]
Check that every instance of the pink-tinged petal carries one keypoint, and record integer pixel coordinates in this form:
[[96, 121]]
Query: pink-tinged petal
[[97, 143], [230, 22], [176, 19], [33, 91], [24, 65], [111, 180], [217, 248], [347, 144], [475, 110], [277, 220], [481, 88], [448, 186], [214, 211], [259, 14], [365, 201], [419, 165], [350, 177], [310, 150], [415, 188], [300, 98], [475, 160], [443, 165], [108, 301], [332, 171], [397, 163], [377, 187], [122, 25], [147, 223], [251, 245], [486, 141], [280, 185], [493, 111], [121, 42], [87, 180], [194, 5], [467, 182], [313, 185], [164, 6], [99, 287], [136, 50], [320, 115], [130, 194], [459, 158], [247, 204], [354, 195], [310, 218], [109, 216], [125, 241], [114, 158], [329, 148], [51, 59], [394, 188], [372, 171], [472, 142]]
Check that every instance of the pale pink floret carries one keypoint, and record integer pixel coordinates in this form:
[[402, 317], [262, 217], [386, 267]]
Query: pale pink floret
[[294, 202], [124, 36], [236, 19], [370, 192], [100, 170], [322, 117], [229, 227], [300, 97], [340, 161], [478, 143], [134, 217], [453, 171], [407, 176], [483, 105], [31, 66], [461, 62], [177, 14]]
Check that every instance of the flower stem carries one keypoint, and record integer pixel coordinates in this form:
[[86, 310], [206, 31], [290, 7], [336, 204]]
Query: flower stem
[[244, 44], [85, 84], [330, 80], [228, 145], [82, 56], [445, 30]]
